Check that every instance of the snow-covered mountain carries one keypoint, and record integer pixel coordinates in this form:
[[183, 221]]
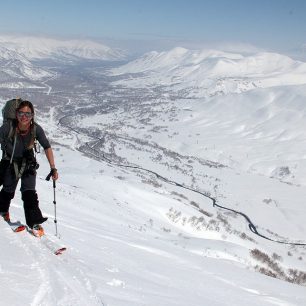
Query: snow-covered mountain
[[19, 58], [202, 73], [37, 48], [16, 71], [257, 101]]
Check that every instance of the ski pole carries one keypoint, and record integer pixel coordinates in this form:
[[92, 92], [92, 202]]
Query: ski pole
[[54, 202], [54, 199]]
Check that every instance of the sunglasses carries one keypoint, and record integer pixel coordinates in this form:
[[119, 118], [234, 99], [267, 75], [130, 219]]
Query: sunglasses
[[27, 114]]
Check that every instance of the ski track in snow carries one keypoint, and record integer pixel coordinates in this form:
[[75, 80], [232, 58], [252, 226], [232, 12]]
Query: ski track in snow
[[62, 280]]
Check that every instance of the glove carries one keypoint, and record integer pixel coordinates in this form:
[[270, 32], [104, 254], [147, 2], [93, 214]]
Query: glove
[[52, 173]]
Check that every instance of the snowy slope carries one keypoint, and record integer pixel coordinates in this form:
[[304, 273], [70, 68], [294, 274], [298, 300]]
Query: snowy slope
[[35, 48], [202, 73], [256, 101], [16, 66], [124, 250], [259, 131]]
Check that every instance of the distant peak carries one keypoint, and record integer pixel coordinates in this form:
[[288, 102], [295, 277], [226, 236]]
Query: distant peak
[[179, 50], [44, 47]]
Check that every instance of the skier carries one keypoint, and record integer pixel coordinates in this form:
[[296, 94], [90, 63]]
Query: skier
[[18, 140]]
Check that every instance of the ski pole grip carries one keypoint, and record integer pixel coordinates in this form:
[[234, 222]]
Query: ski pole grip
[[49, 176], [54, 185]]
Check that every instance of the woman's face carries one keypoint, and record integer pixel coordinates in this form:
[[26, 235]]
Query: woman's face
[[24, 115]]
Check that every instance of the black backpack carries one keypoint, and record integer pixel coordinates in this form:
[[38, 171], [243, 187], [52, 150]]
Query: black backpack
[[9, 109]]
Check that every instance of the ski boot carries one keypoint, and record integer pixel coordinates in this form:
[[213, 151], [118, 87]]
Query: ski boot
[[37, 230]]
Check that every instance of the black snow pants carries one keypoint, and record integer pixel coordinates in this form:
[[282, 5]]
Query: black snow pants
[[29, 196]]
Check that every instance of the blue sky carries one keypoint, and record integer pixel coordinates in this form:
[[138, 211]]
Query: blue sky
[[274, 24]]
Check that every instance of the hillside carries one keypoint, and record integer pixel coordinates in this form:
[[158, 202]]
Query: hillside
[[206, 73]]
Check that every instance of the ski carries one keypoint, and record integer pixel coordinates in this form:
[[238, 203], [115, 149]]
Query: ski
[[16, 226], [52, 243]]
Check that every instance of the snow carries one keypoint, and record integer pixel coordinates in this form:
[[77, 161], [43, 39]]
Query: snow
[[116, 256], [18, 66], [36, 48], [136, 238], [207, 73]]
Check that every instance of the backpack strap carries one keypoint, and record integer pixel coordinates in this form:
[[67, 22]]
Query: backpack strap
[[19, 173], [14, 147], [12, 129], [33, 142]]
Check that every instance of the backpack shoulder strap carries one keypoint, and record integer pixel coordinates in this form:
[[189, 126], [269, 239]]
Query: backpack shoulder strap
[[32, 144], [12, 129], [34, 130]]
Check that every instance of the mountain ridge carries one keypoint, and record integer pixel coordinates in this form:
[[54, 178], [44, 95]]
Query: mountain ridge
[[36, 48], [202, 73]]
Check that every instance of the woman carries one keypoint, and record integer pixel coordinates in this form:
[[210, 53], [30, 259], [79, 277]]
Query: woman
[[17, 143]]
